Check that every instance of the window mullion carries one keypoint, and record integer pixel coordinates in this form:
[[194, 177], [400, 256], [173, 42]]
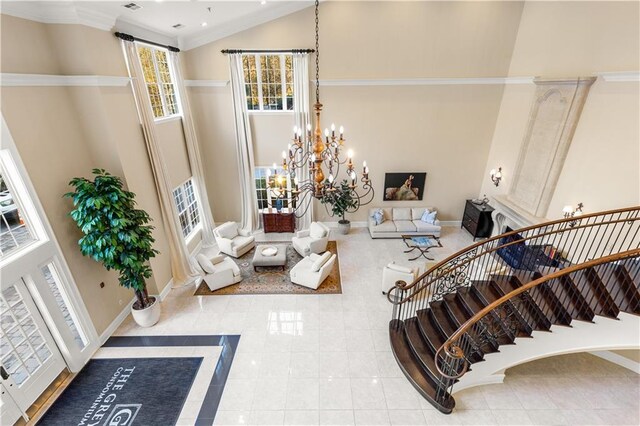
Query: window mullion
[[283, 80], [259, 82]]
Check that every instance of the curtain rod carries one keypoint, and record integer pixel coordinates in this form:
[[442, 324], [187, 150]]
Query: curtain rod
[[128, 37], [231, 51]]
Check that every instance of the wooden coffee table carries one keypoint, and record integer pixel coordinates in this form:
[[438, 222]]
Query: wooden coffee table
[[421, 242]]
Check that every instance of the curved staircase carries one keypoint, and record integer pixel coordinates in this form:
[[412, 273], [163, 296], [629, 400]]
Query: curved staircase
[[460, 313]]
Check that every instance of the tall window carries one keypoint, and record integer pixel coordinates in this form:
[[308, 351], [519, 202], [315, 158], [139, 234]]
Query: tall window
[[187, 205], [14, 232], [268, 82], [267, 197], [157, 75]]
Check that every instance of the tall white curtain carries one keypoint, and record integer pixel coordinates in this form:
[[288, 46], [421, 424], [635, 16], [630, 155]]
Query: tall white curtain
[[244, 144], [193, 151], [302, 118], [181, 268]]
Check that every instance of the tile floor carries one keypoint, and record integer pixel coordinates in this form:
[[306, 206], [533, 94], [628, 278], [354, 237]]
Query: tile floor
[[326, 359]]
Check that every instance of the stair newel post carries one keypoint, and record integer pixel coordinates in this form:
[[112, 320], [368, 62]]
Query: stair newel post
[[451, 364]]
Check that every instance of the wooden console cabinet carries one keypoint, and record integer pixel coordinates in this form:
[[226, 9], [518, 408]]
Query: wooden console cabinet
[[285, 221], [477, 220]]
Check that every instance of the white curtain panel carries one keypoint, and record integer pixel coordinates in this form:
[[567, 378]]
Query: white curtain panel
[[244, 144], [193, 151], [181, 268], [302, 118]]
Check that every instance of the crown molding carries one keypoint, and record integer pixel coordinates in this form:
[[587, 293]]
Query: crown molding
[[241, 24], [206, 83], [144, 31], [618, 77], [429, 81], [59, 13], [41, 80]]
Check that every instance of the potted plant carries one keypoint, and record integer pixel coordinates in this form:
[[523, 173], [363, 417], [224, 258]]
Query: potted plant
[[118, 235], [341, 200]]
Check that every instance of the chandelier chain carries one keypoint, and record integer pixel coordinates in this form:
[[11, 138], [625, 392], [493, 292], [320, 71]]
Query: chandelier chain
[[317, 55]]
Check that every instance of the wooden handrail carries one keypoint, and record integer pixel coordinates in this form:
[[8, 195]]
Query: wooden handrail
[[453, 351], [505, 235]]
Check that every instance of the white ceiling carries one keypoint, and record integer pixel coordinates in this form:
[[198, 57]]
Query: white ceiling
[[156, 18]]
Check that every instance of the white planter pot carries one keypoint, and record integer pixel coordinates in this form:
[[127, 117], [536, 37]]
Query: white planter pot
[[148, 316], [344, 226]]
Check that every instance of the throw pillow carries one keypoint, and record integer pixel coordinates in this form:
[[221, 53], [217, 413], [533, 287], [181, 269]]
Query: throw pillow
[[205, 264], [429, 217], [399, 268], [316, 231], [217, 259], [378, 216], [315, 267], [228, 230]]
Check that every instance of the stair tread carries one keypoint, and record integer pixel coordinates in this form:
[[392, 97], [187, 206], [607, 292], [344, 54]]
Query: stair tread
[[429, 331], [546, 301], [534, 315], [594, 293], [564, 289], [411, 368], [487, 291], [620, 289], [421, 349]]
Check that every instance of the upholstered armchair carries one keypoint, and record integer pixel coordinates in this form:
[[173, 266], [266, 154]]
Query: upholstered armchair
[[219, 271], [312, 240], [313, 270], [394, 272], [233, 241]]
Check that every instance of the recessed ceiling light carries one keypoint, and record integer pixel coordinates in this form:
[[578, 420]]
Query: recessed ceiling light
[[204, 24], [263, 2]]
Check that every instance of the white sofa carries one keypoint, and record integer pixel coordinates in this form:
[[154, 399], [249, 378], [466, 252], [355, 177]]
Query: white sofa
[[400, 221], [312, 240], [219, 271], [233, 241], [313, 270]]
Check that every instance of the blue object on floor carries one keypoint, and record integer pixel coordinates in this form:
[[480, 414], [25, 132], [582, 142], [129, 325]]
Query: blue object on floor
[[129, 391]]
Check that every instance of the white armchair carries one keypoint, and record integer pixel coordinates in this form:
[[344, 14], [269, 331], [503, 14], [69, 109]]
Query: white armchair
[[219, 271], [233, 241], [313, 270], [394, 272], [312, 240]]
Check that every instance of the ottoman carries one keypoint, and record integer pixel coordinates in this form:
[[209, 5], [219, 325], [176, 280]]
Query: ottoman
[[277, 260]]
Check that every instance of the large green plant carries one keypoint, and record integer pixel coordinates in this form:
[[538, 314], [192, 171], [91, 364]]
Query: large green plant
[[340, 200], [115, 232]]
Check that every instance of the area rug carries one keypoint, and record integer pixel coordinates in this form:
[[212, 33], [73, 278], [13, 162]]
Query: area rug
[[151, 391], [275, 280]]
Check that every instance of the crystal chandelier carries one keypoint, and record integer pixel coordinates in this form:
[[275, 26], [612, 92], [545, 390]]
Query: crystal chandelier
[[304, 159]]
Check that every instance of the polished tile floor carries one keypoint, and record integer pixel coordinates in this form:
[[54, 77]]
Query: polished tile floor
[[326, 359]]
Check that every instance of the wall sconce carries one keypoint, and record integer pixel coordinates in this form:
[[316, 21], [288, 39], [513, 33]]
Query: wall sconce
[[496, 176], [569, 212]]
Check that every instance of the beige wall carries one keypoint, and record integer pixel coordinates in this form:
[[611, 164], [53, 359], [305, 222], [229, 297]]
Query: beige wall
[[571, 39], [62, 132], [443, 130]]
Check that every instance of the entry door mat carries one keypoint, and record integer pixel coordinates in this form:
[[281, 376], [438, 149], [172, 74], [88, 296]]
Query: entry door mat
[[127, 392], [275, 280]]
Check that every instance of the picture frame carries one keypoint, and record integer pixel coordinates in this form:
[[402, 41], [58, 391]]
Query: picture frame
[[404, 186]]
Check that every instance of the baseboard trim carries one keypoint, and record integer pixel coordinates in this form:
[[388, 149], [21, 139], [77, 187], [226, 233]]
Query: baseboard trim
[[116, 322], [165, 292], [363, 224], [619, 360]]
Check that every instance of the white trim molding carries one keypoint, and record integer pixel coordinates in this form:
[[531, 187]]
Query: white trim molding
[[428, 81], [619, 77], [18, 80], [59, 13], [206, 83], [108, 332]]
